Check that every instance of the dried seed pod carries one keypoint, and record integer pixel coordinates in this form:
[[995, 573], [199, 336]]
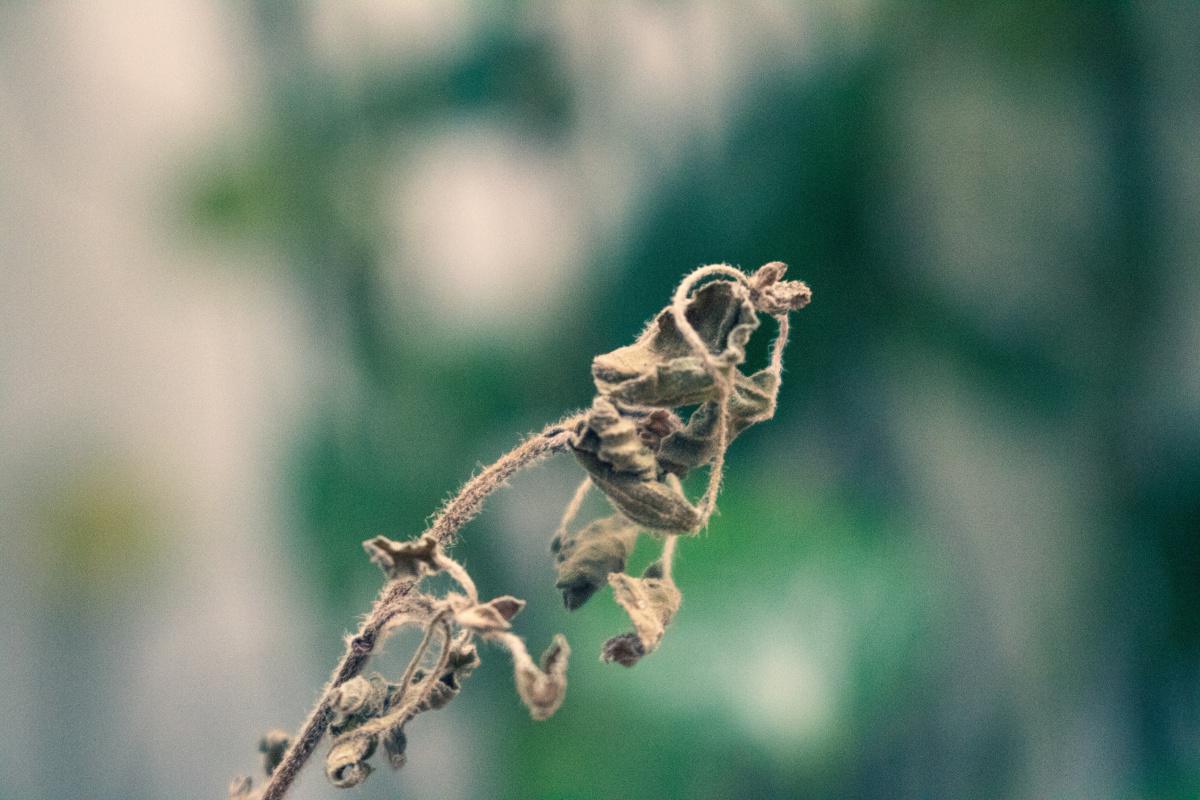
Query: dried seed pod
[[414, 558], [587, 556]]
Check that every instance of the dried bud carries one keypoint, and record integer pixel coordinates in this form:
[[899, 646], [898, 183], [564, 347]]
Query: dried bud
[[771, 295], [543, 690], [273, 745], [464, 658], [394, 744], [625, 649], [413, 559], [586, 557], [346, 765], [359, 698]]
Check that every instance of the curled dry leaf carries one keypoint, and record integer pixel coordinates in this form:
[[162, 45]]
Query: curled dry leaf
[[346, 765], [629, 452], [414, 558], [460, 663], [661, 370], [587, 556], [647, 501], [696, 444], [651, 602], [488, 617], [360, 699], [543, 689], [616, 441]]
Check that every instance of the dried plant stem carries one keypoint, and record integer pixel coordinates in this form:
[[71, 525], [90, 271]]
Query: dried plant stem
[[572, 509], [406, 681], [718, 369], [381, 724], [668, 556], [456, 513]]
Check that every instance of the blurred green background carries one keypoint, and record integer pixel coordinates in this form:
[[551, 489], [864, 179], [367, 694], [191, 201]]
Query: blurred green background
[[276, 277]]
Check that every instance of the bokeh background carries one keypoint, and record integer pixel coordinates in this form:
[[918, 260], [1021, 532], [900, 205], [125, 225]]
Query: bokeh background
[[276, 277]]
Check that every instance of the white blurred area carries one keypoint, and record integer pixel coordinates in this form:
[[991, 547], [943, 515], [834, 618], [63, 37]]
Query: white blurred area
[[146, 392]]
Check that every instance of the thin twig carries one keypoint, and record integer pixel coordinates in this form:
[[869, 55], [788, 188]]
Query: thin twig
[[456, 513]]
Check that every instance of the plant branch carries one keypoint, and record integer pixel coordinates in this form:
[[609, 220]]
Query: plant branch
[[456, 513]]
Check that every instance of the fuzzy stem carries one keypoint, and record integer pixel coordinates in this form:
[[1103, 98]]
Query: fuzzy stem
[[718, 367], [418, 655], [456, 513], [572, 509], [668, 556]]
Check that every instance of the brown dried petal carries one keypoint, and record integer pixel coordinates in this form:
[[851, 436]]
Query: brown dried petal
[[543, 690], [414, 558], [587, 556]]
